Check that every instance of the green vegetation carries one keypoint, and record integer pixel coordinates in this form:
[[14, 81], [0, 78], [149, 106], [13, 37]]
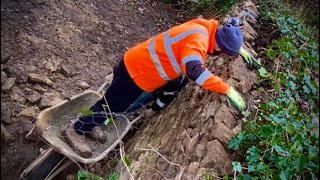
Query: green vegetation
[[207, 8], [281, 140]]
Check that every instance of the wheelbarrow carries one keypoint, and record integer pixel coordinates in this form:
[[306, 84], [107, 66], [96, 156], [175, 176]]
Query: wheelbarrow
[[53, 121]]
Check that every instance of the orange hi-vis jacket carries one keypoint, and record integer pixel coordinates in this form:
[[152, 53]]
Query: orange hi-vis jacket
[[160, 59]]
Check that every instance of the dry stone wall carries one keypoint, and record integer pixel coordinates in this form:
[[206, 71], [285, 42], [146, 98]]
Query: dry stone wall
[[189, 138]]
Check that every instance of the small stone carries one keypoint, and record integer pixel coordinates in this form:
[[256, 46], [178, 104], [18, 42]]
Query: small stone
[[31, 96], [53, 65], [29, 112], [83, 85], [66, 71], [39, 88], [245, 86], [17, 95], [5, 113], [7, 85], [4, 77], [5, 135], [39, 78], [49, 99]]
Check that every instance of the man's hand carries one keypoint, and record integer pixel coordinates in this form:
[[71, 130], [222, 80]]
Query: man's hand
[[246, 56], [236, 99]]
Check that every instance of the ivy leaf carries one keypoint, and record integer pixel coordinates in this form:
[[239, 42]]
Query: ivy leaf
[[306, 89], [277, 119], [253, 154], [236, 166], [235, 141], [86, 112], [300, 163], [262, 72], [251, 168], [286, 174], [107, 121], [266, 130], [280, 150]]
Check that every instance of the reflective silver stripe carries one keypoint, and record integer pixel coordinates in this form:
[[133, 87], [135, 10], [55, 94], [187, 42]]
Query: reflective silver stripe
[[156, 61], [203, 77], [161, 104], [167, 45], [187, 33], [192, 58], [169, 93]]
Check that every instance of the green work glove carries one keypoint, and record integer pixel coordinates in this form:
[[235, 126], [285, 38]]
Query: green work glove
[[236, 99], [246, 56]]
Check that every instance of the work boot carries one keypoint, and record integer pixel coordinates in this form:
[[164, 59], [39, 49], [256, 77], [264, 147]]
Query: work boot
[[78, 142], [98, 135]]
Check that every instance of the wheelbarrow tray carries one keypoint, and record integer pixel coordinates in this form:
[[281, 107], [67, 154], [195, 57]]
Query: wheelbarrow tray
[[53, 121]]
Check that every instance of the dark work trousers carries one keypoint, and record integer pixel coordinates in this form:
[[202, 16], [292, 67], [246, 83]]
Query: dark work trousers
[[124, 96]]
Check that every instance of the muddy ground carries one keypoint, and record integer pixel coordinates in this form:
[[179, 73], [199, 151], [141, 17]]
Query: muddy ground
[[73, 43]]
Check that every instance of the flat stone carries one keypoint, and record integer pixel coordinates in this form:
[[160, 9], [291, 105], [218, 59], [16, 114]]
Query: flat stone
[[29, 112], [39, 88], [7, 85], [238, 70], [67, 72], [247, 27], [39, 78], [4, 77], [224, 115], [49, 99], [217, 158], [247, 36]]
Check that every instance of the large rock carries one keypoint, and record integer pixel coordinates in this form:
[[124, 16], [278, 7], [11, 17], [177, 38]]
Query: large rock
[[217, 158], [39, 78], [7, 85], [222, 133], [238, 70], [49, 99], [224, 115]]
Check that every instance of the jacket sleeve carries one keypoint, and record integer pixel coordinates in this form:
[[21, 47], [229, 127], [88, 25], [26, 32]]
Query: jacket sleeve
[[193, 67]]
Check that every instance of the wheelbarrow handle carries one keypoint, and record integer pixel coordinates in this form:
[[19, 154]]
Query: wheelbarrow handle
[[135, 120]]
